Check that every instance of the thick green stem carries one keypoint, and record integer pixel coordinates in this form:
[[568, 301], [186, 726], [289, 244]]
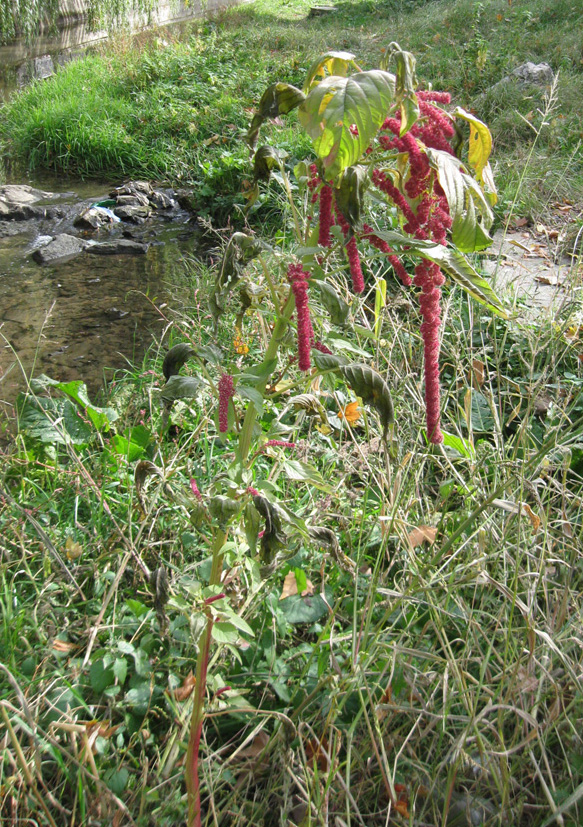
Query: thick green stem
[[196, 721], [246, 435]]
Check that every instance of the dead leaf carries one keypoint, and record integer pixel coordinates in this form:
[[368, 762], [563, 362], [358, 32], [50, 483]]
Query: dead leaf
[[518, 508], [478, 372], [290, 586], [184, 691], [73, 550], [548, 278], [422, 534], [256, 747], [63, 645], [316, 752], [534, 518]]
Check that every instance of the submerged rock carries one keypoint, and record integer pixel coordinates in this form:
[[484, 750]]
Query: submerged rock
[[121, 246], [61, 247]]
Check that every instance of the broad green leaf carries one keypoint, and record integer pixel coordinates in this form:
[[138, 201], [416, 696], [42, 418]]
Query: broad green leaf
[[349, 195], [336, 306], [459, 445], [55, 421], [480, 413], [237, 621], [372, 388], [260, 372], [338, 103], [100, 676], [309, 609], [253, 395], [480, 145], [468, 207], [180, 387], [278, 99], [175, 358], [224, 632], [301, 471], [117, 780], [76, 390], [328, 361], [405, 85], [332, 63], [223, 509]]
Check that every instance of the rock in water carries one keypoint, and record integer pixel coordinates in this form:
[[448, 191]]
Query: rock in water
[[121, 246], [61, 247]]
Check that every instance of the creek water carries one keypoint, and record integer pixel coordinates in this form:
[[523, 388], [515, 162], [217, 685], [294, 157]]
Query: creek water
[[74, 319]]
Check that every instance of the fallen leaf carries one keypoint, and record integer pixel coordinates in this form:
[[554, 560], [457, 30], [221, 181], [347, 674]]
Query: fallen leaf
[[422, 534], [290, 586], [63, 645], [351, 413], [540, 228], [315, 752], [548, 278], [256, 746]]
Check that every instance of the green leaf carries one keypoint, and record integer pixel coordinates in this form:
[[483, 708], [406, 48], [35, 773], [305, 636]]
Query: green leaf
[[295, 470], [372, 388], [260, 372], [265, 160], [480, 413], [349, 195], [380, 301], [278, 99], [52, 421], [76, 390], [224, 632], [328, 361], [338, 103], [253, 395], [468, 206], [458, 444], [117, 780], [100, 676], [175, 358], [237, 621], [120, 670], [223, 509], [334, 304], [331, 63], [309, 609], [180, 387], [301, 580]]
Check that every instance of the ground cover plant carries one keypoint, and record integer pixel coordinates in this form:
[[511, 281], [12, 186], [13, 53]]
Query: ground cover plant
[[377, 617]]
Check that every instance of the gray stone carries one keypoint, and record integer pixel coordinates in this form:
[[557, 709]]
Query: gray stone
[[136, 199], [161, 201], [121, 246], [93, 218], [136, 215], [18, 194], [131, 188], [43, 67], [536, 74], [61, 247]]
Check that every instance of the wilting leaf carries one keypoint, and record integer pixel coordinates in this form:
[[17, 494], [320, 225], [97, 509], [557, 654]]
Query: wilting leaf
[[223, 509], [144, 469], [175, 358], [265, 160], [184, 691], [210, 353], [240, 250], [456, 265], [372, 388], [337, 104], [422, 534], [161, 588], [180, 387], [73, 549], [352, 413], [308, 402], [278, 99], [332, 63], [273, 535], [405, 85], [478, 372], [334, 304], [480, 145], [326, 537], [349, 195], [468, 206]]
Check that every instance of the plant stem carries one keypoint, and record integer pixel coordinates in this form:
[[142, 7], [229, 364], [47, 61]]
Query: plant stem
[[196, 721]]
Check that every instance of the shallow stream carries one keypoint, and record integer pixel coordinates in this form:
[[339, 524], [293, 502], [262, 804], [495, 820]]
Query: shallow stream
[[73, 319]]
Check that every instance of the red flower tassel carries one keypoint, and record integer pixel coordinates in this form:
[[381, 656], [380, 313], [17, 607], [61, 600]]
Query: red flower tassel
[[226, 392]]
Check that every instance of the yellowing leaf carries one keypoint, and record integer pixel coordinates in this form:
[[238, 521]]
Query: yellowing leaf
[[351, 413], [63, 645], [73, 549], [478, 372], [480, 142], [422, 534]]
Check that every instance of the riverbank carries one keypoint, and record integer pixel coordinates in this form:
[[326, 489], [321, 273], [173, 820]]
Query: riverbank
[[178, 110]]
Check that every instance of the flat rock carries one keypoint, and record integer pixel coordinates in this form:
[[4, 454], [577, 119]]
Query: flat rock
[[121, 246], [18, 194], [61, 247], [136, 199], [93, 218]]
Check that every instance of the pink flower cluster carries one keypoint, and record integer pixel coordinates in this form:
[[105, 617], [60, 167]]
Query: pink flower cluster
[[299, 285], [226, 393], [324, 239], [352, 253], [195, 490]]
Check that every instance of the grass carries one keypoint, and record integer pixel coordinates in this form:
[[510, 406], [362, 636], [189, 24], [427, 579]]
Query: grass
[[178, 109], [433, 676]]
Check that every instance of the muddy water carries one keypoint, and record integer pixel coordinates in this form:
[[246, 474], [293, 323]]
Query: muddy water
[[80, 318]]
